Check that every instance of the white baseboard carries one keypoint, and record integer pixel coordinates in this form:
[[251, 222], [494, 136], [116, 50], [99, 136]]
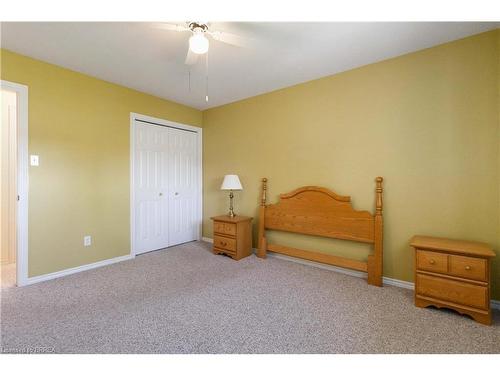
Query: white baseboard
[[70, 271], [206, 239], [399, 283], [386, 280]]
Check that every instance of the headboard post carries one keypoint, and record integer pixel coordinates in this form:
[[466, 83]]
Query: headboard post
[[375, 264], [378, 192], [264, 189], [262, 242]]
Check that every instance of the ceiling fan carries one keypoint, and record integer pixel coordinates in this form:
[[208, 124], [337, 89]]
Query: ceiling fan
[[198, 42]]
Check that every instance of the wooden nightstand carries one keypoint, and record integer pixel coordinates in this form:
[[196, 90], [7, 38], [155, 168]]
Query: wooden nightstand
[[453, 274], [233, 236]]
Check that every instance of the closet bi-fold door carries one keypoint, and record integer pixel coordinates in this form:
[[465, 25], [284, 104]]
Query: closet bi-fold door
[[184, 187], [166, 186], [151, 187]]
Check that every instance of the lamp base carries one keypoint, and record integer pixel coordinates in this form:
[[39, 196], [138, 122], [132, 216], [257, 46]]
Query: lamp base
[[231, 212]]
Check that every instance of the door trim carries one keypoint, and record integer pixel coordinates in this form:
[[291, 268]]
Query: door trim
[[22, 179], [157, 121]]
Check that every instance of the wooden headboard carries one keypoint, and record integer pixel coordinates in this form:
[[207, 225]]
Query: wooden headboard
[[319, 211]]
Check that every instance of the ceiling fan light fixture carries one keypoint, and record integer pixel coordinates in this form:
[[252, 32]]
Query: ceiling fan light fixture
[[198, 43]]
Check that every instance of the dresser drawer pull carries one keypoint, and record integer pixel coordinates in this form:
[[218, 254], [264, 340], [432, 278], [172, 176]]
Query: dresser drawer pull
[[223, 243], [467, 268], [432, 261]]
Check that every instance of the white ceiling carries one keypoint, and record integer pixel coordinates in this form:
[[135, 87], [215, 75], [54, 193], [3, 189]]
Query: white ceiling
[[149, 59]]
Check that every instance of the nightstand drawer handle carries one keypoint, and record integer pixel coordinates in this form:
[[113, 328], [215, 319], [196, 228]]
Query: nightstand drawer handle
[[467, 268], [432, 261], [223, 243]]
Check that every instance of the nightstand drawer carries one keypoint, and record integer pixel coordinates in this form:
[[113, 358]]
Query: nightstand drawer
[[452, 291], [225, 228], [467, 267], [432, 261], [225, 243]]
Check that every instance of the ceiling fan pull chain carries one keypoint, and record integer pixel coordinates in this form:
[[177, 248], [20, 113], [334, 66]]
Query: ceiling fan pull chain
[[189, 79], [206, 77]]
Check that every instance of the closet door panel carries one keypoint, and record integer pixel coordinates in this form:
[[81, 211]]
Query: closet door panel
[[151, 188], [183, 186]]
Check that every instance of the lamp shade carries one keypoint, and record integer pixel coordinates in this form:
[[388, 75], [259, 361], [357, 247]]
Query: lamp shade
[[231, 182]]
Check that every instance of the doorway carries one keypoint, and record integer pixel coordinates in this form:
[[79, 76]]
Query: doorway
[[166, 180], [8, 188], [14, 184]]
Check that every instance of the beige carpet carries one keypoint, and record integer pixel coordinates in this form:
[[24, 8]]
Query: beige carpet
[[187, 300]]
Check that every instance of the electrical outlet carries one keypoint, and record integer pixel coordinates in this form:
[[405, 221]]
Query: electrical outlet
[[87, 241]]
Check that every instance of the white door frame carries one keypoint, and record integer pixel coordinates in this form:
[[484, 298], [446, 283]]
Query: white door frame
[[153, 120], [22, 179]]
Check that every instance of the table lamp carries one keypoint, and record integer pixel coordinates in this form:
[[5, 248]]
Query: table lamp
[[231, 182]]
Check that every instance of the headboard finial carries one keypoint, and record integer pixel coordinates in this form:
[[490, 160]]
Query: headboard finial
[[264, 189], [378, 194]]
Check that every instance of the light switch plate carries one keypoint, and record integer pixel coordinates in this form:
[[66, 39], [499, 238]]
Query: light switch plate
[[34, 160]]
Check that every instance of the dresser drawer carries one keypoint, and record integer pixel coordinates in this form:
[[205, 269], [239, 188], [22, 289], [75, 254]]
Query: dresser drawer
[[452, 291], [432, 261], [467, 267], [225, 228], [225, 243]]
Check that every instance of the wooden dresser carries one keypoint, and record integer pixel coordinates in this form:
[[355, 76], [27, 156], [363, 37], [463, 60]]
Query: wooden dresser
[[453, 274], [233, 236]]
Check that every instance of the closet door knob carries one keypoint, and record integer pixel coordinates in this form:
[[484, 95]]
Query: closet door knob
[[161, 194], [176, 193]]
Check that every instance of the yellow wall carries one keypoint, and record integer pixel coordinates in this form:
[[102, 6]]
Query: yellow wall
[[428, 122], [79, 126]]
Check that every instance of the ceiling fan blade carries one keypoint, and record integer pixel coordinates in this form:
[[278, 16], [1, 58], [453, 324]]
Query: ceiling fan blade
[[228, 38], [191, 57], [171, 26]]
